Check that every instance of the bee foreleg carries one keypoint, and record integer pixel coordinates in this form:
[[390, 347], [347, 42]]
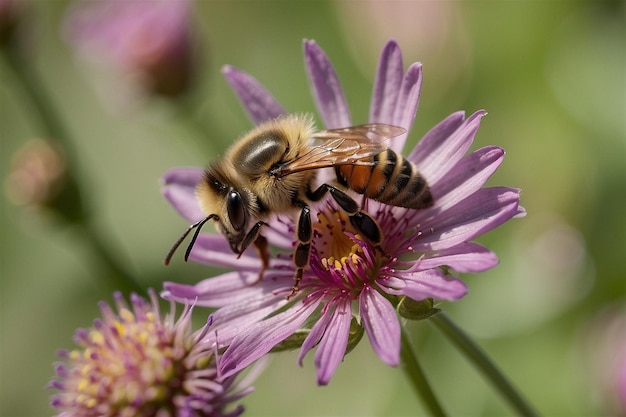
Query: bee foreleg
[[252, 236], [362, 221], [261, 246], [302, 252]]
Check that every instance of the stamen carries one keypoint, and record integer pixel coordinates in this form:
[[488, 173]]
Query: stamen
[[346, 255]]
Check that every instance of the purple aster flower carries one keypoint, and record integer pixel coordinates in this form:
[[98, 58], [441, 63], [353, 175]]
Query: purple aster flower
[[149, 41], [351, 284], [134, 362]]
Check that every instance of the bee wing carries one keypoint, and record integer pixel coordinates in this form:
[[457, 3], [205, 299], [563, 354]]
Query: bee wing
[[341, 147]]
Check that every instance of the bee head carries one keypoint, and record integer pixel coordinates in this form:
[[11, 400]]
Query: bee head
[[232, 204], [231, 221], [233, 224]]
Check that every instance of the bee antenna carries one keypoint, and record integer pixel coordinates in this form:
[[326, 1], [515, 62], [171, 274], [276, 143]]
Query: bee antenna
[[198, 225]]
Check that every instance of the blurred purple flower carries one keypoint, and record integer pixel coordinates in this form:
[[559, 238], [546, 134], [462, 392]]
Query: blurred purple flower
[[348, 277], [147, 39], [133, 362]]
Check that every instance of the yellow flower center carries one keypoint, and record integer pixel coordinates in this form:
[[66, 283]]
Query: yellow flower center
[[334, 247], [124, 360]]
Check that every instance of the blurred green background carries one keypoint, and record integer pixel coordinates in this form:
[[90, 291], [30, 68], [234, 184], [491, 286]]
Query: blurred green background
[[550, 74]]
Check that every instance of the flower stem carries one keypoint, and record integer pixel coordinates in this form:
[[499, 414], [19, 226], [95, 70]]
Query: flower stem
[[33, 88], [415, 373], [72, 211], [480, 359]]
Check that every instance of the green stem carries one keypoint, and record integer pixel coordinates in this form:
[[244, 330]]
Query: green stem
[[32, 86], [53, 127], [206, 132], [415, 373], [480, 359], [116, 276]]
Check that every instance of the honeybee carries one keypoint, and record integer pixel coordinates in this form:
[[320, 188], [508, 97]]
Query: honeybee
[[272, 169]]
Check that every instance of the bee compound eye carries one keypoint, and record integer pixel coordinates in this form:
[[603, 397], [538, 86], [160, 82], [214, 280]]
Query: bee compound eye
[[236, 210]]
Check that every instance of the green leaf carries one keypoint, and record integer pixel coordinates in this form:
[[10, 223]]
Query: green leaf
[[416, 310]]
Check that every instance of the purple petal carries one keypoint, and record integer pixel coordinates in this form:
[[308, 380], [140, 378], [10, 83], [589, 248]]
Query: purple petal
[[260, 338], [468, 176], [179, 292], [234, 319], [381, 324], [482, 211], [407, 102], [183, 176], [258, 102], [465, 257], [179, 188], [387, 84], [214, 250], [315, 335], [327, 90], [279, 232], [332, 347], [445, 144], [432, 283], [223, 289]]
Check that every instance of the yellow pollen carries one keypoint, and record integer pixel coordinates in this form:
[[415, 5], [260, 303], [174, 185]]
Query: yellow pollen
[[96, 337], [86, 369], [120, 328], [82, 385], [336, 247], [127, 315], [86, 400]]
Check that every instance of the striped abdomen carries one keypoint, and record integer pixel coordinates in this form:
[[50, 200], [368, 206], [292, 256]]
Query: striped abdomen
[[391, 179]]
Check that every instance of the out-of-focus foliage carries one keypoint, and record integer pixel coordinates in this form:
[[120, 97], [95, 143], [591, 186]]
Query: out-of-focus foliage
[[552, 76]]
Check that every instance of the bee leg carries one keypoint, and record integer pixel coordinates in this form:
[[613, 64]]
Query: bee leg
[[260, 244], [262, 248], [362, 221], [302, 252]]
